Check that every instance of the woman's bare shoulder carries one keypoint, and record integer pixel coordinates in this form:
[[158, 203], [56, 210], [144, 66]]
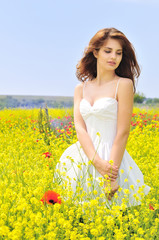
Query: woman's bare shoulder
[[125, 80], [79, 85], [78, 89], [126, 89], [126, 83]]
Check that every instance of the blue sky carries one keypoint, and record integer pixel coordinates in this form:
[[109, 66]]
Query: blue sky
[[42, 41]]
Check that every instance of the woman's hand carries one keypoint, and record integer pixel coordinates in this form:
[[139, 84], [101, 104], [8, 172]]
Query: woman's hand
[[105, 168], [110, 188]]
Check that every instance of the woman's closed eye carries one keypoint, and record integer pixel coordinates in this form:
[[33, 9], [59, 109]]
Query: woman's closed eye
[[110, 52]]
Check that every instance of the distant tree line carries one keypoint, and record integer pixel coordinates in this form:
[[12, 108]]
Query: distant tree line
[[140, 98], [12, 102], [56, 102]]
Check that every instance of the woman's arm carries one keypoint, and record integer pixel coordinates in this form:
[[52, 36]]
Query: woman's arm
[[103, 167], [125, 109], [80, 126]]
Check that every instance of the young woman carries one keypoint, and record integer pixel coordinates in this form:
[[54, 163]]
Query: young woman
[[103, 105]]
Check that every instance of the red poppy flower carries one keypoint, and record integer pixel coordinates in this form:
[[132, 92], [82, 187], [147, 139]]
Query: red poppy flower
[[51, 197], [47, 154], [151, 207]]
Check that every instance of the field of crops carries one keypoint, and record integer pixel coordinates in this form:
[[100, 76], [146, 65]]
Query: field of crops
[[33, 207]]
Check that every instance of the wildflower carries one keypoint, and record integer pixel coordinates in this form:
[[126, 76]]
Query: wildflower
[[89, 162], [79, 166], [122, 171], [151, 207], [106, 178], [101, 238], [126, 191], [68, 157], [111, 162], [88, 184], [94, 232], [132, 187], [95, 192], [102, 195], [4, 230], [61, 221], [47, 154], [93, 202], [126, 180], [98, 134], [136, 197], [120, 189], [51, 197], [140, 231]]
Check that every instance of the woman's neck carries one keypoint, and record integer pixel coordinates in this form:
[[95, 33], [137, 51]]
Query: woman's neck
[[106, 78]]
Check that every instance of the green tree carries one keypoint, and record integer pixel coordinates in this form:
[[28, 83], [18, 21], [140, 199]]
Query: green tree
[[139, 97]]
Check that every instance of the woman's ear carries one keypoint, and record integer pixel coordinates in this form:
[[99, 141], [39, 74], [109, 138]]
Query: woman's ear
[[95, 53]]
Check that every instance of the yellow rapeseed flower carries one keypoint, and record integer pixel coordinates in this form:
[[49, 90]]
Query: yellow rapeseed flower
[[94, 232], [98, 134], [132, 187], [126, 191], [111, 162]]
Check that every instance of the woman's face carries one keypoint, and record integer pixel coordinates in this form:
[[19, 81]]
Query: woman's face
[[109, 55]]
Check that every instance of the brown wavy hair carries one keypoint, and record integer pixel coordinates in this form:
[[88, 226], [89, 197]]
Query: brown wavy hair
[[128, 67]]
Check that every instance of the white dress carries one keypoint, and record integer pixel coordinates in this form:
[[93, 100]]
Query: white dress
[[101, 123]]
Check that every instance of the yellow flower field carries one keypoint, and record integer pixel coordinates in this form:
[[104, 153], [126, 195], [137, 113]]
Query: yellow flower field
[[28, 158]]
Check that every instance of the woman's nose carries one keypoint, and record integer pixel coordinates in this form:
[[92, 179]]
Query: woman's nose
[[113, 55]]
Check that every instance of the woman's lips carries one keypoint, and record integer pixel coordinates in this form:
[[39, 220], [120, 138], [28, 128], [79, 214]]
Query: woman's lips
[[112, 63]]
